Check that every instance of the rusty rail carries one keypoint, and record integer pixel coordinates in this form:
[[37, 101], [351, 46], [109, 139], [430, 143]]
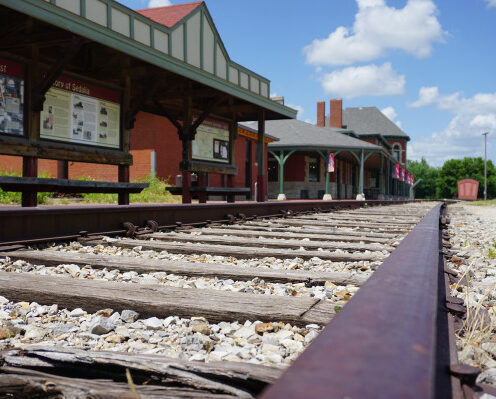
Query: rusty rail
[[383, 343], [51, 223]]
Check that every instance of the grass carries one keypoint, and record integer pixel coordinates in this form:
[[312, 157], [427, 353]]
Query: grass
[[155, 193], [492, 252], [491, 202], [477, 328]]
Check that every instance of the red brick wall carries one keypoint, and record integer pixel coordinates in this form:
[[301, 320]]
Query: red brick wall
[[403, 145], [336, 113], [294, 168]]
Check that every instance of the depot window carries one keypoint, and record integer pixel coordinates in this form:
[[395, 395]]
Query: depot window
[[314, 169], [272, 169]]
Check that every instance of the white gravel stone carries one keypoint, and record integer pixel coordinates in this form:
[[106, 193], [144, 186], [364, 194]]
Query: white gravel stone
[[153, 323]]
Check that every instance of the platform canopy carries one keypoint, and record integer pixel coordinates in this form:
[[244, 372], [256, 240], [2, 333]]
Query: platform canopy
[[167, 53]]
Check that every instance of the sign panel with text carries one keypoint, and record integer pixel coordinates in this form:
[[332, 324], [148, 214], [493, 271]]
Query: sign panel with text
[[211, 142], [11, 98], [77, 112]]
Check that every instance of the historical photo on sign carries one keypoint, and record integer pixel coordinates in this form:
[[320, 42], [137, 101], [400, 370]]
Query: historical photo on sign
[[11, 105], [221, 149]]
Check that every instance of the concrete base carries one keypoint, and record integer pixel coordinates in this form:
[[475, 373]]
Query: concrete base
[[360, 197], [327, 197], [281, 197]]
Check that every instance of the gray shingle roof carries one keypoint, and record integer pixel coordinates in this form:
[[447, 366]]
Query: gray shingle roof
[[295, 133], [369, 120]]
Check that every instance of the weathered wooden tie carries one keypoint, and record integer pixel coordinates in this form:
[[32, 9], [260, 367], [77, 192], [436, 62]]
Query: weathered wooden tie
[[242, 252], [48, 372], [192, 269], [267, 242], [161, 301]]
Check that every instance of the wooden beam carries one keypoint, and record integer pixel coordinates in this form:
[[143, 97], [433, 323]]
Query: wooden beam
[[62, 151], [191, 269], [243, 252], [160, 301], [39, 39], [26, 373], [39, 92]]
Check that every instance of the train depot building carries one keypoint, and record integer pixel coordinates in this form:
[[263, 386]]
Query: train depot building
[[113, 94], [365, 146], [84, 82]]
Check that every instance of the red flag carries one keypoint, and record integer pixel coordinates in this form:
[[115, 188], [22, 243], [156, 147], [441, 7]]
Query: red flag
[[330, 163], [402, 176], [396, 171]]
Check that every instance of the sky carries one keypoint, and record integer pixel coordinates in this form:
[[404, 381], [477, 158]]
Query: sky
[[429, 65]]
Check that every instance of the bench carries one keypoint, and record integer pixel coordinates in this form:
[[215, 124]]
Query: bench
[[202, 192], [67, 186]]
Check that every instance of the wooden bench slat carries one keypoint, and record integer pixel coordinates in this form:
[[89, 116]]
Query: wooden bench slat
[[14, 183]]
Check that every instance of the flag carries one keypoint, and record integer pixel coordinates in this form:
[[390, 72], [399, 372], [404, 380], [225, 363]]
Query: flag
[[396, 171], [330, 163], [402, 175]]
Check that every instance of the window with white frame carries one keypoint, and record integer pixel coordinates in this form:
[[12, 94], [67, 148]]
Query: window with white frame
[[397, 152]]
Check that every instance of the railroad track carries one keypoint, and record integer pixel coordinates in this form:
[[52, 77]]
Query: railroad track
[[217, 310]]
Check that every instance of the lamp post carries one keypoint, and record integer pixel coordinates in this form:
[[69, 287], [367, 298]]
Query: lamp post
[[485, 165]]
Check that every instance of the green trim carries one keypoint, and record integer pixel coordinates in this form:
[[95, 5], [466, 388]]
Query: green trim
[[131, 27], [407, 138], [275, 146], [109, 16], [215, 57], [201, 39], [281, 160], [152, 37], [64, 19], [82, 8], [185, 42]]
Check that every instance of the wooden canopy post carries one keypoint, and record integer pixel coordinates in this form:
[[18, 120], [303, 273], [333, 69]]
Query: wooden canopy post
[[233, 135], [62, 169], [29, 169], [381, 176], [123, 171], [186, 147], [261, 157]]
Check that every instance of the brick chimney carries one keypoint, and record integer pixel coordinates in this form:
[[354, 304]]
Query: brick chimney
[[336, 113], [321, 113]]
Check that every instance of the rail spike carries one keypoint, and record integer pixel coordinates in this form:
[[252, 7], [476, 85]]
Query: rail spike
[[131, 229], [152, 225]]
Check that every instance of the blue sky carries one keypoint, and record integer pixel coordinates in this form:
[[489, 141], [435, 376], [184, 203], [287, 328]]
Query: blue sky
[[429, 64]]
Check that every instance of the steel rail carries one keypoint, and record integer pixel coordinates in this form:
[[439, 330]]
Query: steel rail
[[51, 223], [383, 344]]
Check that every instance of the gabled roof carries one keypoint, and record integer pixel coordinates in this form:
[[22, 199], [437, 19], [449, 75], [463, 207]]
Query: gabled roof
[[370, 121], [295, 133], [170, 15]]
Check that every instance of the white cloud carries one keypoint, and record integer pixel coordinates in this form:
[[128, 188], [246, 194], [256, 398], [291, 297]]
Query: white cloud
[[390, 112], [377, 28], [462, 137], [427, 95], [159, 3], [365, 80], [298, 108], [491, 3], [487, 121]]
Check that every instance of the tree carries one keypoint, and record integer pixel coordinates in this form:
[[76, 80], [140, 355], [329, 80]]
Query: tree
[[468, 168], [428, 174]]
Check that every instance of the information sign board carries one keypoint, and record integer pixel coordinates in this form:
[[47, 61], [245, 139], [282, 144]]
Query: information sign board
[[11, 97], [211, 142], [78, 112]]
